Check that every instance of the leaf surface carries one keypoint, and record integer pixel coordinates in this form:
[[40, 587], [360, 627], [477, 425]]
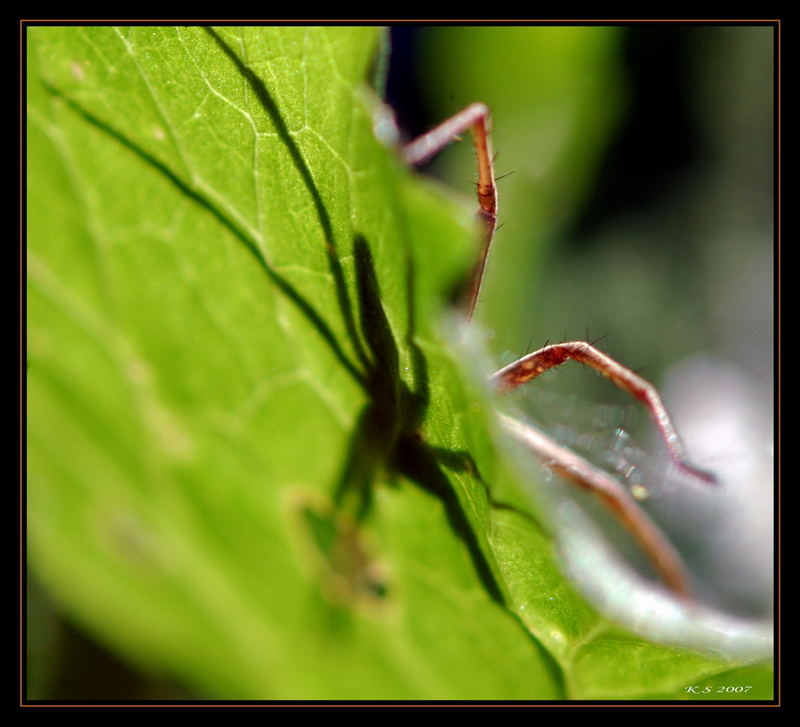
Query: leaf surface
[[254, 461]]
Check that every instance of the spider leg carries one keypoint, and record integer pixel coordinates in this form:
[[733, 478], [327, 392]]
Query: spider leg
[[475, 117], [614, 496], [657, 547], [536, 363]]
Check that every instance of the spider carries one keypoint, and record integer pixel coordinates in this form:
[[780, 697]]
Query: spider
[[656, 546]]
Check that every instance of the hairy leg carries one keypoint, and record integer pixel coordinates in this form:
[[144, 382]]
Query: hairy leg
[[536, 363], [475, 117], [654, 544], [616, 498]]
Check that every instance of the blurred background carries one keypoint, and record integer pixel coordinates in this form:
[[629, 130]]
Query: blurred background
[[639, 208]]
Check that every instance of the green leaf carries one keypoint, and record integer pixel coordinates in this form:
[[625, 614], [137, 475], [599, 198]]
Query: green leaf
[[255, 461]]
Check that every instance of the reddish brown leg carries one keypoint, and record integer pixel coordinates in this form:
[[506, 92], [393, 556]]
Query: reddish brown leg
[[530, 366], [475, 117], [616, 498], [654, 544]]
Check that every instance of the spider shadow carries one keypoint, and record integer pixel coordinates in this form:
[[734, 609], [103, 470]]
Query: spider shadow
[[386, 436], [386, 439]]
